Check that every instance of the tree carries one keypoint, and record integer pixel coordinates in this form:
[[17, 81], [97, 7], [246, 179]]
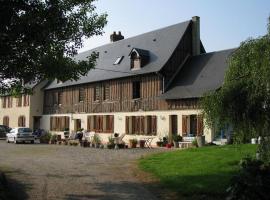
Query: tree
[[39, 38], [243, 101]]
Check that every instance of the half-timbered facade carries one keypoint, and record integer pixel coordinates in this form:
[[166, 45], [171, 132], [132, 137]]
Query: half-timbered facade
[[145, 85]]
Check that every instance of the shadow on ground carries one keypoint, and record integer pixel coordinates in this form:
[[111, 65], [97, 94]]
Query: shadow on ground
[[111, 191], [11, 189]]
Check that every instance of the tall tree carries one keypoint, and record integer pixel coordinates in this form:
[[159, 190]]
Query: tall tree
[[244, 99], [39, 38]]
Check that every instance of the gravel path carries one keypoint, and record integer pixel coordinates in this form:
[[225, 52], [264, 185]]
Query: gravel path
[[66, 172]]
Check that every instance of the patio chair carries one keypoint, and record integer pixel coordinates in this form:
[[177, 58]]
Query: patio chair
[[119, 141], [88, 136], [72, 136]]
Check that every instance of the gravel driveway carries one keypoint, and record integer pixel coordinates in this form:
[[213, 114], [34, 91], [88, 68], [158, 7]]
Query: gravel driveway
[[68, 172]]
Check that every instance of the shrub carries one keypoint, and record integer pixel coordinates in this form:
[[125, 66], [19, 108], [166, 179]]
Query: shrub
[[177, 138], [96, 139], [45, 138], [252, 182], [195, 143]]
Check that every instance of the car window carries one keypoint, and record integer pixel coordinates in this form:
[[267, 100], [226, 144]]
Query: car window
[[23, 130], [12, 131]]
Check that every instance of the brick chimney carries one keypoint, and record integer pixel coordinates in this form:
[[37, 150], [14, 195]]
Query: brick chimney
[[196, 41], [115, 37]]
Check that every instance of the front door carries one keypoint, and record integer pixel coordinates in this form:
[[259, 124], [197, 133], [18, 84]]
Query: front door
[[77, 125], [173, 126], [36, 122]]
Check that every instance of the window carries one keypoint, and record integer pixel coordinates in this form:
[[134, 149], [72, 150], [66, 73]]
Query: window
[[106, 92], [59, 123], [141, 125], [81, 94], [100, 123], [25, 100], [60, 98], [6, 121], [118, 60], [4, 102], [9, 101], [192, 124], [21, 121], [97, 93], [135, 61], [19, 101], [136, 89], [138, 58]]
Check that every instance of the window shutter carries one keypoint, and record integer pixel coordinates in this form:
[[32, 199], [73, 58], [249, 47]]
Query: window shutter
[[111, 123], [199, 125], [91, 123], [146, 125], [104, 126], [51, 123], [6, 121], [133, 123], [184, 125], [127, 125], [154, 125], [142, 125]]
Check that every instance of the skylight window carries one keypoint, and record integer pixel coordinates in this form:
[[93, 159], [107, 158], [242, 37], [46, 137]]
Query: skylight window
[[118, 60]]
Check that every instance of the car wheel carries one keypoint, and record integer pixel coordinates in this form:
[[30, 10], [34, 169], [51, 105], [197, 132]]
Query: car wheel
[[32, 141]]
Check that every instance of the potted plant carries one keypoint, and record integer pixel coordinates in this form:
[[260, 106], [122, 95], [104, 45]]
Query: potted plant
[[133, 143], [176, 140], [53, 139], [66, 132], [110, 144], [159, 142], [45, 138], [96, 140], [194, 143], [142, 143], [165, 141]]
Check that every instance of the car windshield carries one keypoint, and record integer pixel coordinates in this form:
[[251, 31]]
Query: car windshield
[[24, 130]]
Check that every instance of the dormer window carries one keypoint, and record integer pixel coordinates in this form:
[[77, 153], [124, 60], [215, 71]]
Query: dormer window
[[118, 60], [138, 58]]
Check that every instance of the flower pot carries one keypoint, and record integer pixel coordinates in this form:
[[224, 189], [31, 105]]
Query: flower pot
[[133, 144], [142, 143], [176, 144], [160, 144]]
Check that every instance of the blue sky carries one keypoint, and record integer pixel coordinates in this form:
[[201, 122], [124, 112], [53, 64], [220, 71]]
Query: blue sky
[[224, 23]]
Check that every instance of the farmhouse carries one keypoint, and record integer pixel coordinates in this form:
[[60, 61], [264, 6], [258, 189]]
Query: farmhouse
[[149, 84]]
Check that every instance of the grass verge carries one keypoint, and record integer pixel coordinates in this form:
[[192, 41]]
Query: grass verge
[[197, 173]]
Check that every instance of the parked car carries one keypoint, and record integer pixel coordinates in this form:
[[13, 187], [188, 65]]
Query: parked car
[[20, 134], [6, 128], [2, 132]]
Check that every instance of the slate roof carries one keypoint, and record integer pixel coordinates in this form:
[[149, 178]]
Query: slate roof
[[200, 74], [159, 43]]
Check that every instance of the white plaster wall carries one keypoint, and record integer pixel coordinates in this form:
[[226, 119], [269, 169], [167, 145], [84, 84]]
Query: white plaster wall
[[36, 102], [119, 122]]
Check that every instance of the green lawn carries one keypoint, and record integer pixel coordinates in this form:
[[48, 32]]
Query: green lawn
[[198, 171]]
